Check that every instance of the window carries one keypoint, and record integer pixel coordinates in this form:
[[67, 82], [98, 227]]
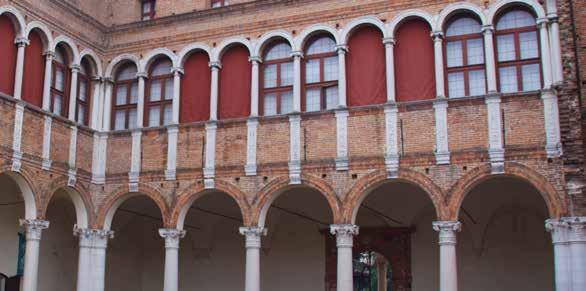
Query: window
[[59, 98], [517, 46], [321, 75], [219, 3], [147, 9], [158, 101], [125, 98], [83, 96], [464, 47], [277, 80]]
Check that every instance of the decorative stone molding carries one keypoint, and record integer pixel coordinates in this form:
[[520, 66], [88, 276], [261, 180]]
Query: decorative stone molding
[[344, 234], [447, 231], [253, 235], [46, 165], [215, 65], [496, 151], [558, 229], [341, 139], [577, 229], [391, 140], [210, 155], [172, 237], [22, 41], [295, 149], [442, 153], [171, 171], [17, 137], [34, 228], [251, 140]]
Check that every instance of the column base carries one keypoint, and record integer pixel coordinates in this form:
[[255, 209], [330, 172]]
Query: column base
[[392, 166], [250, 170], [442, 158]]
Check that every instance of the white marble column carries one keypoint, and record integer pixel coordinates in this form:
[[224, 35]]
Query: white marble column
[[344, 241], [442, 151], [390, 68], [21, 43], [488, 31], [141, 99], [545, 53], [559, 236], [73, 93], [342, 50], [556, 49], [448, 261], [254, 84], [253, 237], [177, 73], [172, 238], [251, 141], [214, 90], [297, 55], [49, 56], [92, 258], [577, 245], [439, 63], [84, 258], [33, 230]]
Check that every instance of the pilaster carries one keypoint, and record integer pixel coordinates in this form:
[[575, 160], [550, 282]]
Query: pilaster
[[46, 155], [341, 139], [251, 140], [391, 140], [210, 155], [295, 149], [17, 137], [171, 171], [442, 152]]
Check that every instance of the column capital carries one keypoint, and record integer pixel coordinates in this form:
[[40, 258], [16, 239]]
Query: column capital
[[49, 54], [542, 22], [447, 231], [344, 234], [34, 228], [389, 41], [97, 79], [253, 235], [172, 237], [75, 68], [215, 65], [437, 36], [177, 70], [577, 229], [558, 229], [297, 54], [21, 41], [342, 48], [93, 238], [141, 75], [108, 80], [255, 59], [553, 17], [488, 29]]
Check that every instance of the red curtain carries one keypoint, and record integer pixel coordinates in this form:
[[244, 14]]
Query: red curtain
[[366, 67], [34, 71], [195, 89], [234, 99], [8, 59], [414, 62]]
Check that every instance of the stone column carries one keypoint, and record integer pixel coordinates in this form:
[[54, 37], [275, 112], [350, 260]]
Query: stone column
[[253, 242], [342, 49], [172, 238], [545, 53], [448, 262], [344, 241], [561, 252], [73, 92], [297, 55], [215, 67], [99, 239], [556, 50], [21, 42], [439, 63], [488, 31], [49, 56], [33, 230], [390, 68], [254, 91], [141, 92], [177, 72], [577, 245]]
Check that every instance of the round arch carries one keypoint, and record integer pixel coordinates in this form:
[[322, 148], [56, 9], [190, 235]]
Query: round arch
[[17, 19], [196, 191], [109, 208], [44, 32], [496, 8], [155, 54], [280, 185], [186, 52], [226, 44], [27, 189], [409, 14], [360, 22], [456, 8], [91, 55], [80, 198], [118, 60], [555, 205], [307, 33], [70, 45], [372, 181], [268, 37]]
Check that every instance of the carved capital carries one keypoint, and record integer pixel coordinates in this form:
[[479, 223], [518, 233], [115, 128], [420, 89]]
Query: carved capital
[[21, 41], [75, 68], [49, 55], [142, 75], [93, 238], [215, 65], [177, 70], [255, 60], [342, 48], [389, 41], [542, 22], [253, 235], [558, 229], [172, 237], [344, 234], [447, 231], [297, 54], [488, 29], [34, 228], [437, 36], [577, 229]]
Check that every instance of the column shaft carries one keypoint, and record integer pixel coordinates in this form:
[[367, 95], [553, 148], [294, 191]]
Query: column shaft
[[215, 67], [342, 102], [556, 50], [439, 64], [545, 53], [172, 238], [254, 91], [47, 82], [297, 81], [489, 59], [253, 242], [21, 43], [33, 229], [390, 68], [448, 261], [176, 94], [73, 93], [561, 252], [141, 101], [344, 241]]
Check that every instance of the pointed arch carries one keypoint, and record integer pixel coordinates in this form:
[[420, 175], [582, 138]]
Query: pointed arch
[[498, 7], [226, 44], [78, 195], [186, 52], [280, 185], [359, 22], [153, 55], [270, 36], [119, 60], [459, 7], [409, 14], [62, 39], [307, 33], [17, 19]]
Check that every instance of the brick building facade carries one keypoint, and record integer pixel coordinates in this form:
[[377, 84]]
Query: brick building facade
[[444, 114]]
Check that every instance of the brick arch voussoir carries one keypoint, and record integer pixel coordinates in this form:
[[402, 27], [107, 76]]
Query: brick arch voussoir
[[61, 183], [556, 205], [281, 184], [368, 183], [122, 192], [27, 175], [197, 190]]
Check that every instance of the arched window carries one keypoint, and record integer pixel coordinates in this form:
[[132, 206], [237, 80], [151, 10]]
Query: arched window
[[125, 98], [158, 101], [34, 70], [8, 59], [321, 74], [464, 47], [277, 80], [59, 90], [518, 57], [83, 94]]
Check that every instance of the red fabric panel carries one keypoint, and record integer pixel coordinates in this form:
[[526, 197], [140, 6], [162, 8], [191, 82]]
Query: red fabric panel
[[195, 89], [8, 53], [234, 99], [414, 62], [366, 67], [34, 70]]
